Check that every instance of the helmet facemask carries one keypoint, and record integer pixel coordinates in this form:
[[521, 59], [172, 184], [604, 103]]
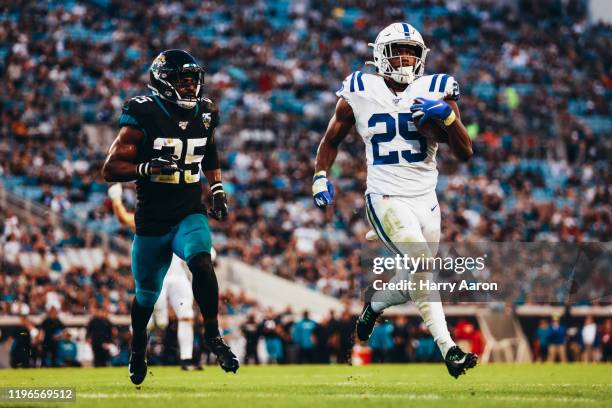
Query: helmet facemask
[[393, 62], [181, 86], [186, 85]]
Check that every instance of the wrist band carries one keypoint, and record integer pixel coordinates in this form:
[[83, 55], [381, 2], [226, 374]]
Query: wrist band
[[142, 169], [450, 119], [217, 188], [320, 174]]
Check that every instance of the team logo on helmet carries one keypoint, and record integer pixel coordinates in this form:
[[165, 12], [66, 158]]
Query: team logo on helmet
[[207, 119], [159, 61]]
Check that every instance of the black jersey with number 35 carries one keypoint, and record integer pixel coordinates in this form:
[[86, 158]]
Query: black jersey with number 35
[[164, 200]]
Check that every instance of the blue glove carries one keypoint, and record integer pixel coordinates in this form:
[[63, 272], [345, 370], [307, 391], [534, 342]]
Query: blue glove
[[322, 190], [430, 109]]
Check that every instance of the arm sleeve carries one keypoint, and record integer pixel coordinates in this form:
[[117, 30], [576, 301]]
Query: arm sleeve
[[211, 157]]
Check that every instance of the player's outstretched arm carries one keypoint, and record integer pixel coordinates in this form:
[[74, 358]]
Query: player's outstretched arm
[[339, 126], [458, 137], [120, 163]]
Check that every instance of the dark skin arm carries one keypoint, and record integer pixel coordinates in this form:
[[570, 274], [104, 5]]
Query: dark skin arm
[[457, 135], [339, 126], [120, 163], [458, 138], [213, 176]]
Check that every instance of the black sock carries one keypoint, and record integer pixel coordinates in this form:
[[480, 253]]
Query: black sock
[[206, 292], [140, 319], [211, 328]]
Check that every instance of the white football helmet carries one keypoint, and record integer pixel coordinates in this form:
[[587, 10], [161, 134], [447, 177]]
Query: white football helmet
[[399, 33]]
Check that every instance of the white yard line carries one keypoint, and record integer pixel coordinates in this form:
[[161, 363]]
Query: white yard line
[[372, 396]]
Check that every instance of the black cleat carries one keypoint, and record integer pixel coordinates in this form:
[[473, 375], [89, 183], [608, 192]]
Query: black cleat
[[227, 360], [365, 322], [137, 367], [457, 361]]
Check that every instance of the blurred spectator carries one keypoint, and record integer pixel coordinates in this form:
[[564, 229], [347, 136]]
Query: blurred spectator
[[541, 347], [23, 348], [425, 349], [170, 348], [51, 332], [589, 339], [466, 332], [251, 332], [123, 347], [346, 327], [286, 323], [323, 334], [606, 340], [67, 355], [401, 340], [556, 339], [573, 344], [100, 334], [381, 342], [302, 334], [271, 331]]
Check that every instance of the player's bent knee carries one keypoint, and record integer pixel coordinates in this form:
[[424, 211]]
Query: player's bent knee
[[146, 298]]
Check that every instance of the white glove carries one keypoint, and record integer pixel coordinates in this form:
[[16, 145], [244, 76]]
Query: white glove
[[115, 191]]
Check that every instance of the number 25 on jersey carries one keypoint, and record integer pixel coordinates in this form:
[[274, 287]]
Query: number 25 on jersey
[[392, 129], [190, 163]]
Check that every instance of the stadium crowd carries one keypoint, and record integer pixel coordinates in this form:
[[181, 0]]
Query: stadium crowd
[[281, 338], [535, 81], [536, 89]]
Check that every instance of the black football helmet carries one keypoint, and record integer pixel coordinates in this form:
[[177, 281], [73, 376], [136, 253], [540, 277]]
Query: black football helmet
[[176, 77]]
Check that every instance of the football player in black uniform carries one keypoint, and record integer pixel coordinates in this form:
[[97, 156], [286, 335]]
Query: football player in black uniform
[[164, 140]]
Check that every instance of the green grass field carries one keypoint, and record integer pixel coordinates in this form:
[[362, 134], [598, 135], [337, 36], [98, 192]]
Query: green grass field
[[322, 386]]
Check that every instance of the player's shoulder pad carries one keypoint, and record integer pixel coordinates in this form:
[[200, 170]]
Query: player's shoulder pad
[[355, 83], [135, 110], [444, 84], [210, 113]]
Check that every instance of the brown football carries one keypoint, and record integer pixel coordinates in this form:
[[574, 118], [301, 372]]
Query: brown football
[[435, 130], [432, 130]]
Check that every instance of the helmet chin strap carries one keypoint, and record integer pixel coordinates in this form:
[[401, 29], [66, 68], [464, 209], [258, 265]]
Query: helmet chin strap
[[186, 104], [404, 76], [180, 103]]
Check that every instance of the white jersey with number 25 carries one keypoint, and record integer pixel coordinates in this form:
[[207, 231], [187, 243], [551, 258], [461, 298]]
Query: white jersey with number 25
[[401, 162]]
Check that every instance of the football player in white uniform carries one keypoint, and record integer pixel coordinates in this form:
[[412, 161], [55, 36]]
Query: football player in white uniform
[[402, 206], [176, 290]]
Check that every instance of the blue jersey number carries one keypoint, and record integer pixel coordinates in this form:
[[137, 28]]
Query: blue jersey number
[[391, 130]]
